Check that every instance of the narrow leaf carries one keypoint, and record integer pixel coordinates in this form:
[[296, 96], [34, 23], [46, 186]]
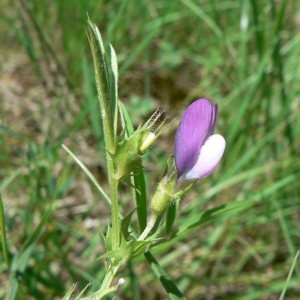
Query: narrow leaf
[[171, 215], [114, 87], [103, 85], [79, 297], [88, 173], [3, 233], [128, 125], [68, 295], [211, 215], [20, 261], [289, 276], [139, 179], [167, 282], [125, 222]]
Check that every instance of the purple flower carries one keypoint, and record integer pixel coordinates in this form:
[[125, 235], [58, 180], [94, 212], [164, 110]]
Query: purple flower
[[197, 150]]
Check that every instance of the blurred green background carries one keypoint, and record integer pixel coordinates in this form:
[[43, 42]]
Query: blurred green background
[[243, 55]]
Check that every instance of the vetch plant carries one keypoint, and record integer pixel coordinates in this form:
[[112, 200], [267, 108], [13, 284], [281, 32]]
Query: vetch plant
[[197, 151]]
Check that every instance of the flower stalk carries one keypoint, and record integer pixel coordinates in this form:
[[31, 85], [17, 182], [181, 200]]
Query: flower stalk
[[149, 227]]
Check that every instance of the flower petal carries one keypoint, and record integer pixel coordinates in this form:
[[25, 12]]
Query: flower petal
[[210, 155], [196, 125], [213, 120]]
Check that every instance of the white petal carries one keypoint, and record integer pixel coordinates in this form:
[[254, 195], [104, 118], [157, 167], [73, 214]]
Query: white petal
[[210, 155]]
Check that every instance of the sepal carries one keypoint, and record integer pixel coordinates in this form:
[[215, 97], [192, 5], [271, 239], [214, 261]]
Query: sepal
[[127, 157], [167, 191], [163, 194], [127, 250], [125, 222]]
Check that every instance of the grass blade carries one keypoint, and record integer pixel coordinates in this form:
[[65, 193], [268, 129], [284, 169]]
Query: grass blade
[[3, 233], [88, 173], [167, 282], [21, 260], [210, 23], [289, 276]]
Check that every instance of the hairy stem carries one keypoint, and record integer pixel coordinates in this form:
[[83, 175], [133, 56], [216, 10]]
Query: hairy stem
[[109, 276], [116, 225]]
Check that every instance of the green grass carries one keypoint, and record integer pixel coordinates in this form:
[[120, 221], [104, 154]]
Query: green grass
[[236, 234]]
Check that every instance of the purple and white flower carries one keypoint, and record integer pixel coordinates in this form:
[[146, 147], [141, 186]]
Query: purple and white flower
[[197, 149]]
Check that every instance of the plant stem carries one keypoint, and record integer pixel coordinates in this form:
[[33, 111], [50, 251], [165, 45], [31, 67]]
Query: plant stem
[[150, 225], [109, 276], [116, 225]]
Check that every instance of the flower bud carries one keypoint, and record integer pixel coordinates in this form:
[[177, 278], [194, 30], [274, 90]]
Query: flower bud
[[148, 141], [129, 150], [163, 195], [151, 130]]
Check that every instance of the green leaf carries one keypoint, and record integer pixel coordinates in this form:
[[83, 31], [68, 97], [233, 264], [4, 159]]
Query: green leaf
[[3, 233], [125, 117], [139, 178], [167, 282], [114, 87], [107, 239], [14, 134], [289, 276], [103, 85], [171, 216], [79, 296], [211, 215], [91, 98], [210, 23], [20, 260], [127, 250], [141, 199], [70, 292], [125, 222]]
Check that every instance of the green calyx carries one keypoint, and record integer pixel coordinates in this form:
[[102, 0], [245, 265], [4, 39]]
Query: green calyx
[[127, 157], [164, 194]]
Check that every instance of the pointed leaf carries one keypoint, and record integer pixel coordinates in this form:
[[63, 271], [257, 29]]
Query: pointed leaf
[[125, 222], [167, 282], [108, 239], [79, 296], [114, 87], [68, 295], [103, 85], [128, 125], [3, 233], [139, 178], [171, 215]]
